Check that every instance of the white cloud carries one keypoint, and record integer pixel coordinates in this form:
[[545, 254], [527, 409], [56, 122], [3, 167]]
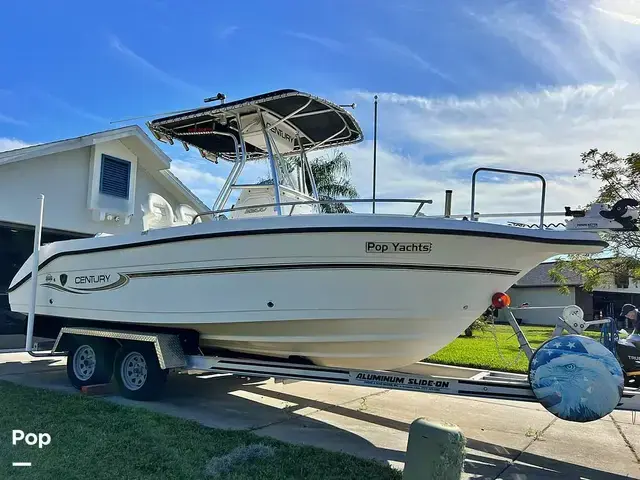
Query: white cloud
[[156, 72], [429, 144], [548, 128], [582, 43], [323, 41], [397, 50], [228, 31], [624, 10], [11, 120], [188, 173], [403, 176], [206, 179], [62, 104], [11, 144]]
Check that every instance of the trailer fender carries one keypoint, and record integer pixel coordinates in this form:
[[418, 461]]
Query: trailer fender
[[167, 347]]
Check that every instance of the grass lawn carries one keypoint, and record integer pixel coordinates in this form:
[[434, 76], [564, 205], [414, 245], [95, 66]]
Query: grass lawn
[[480, 351], [94, 439]]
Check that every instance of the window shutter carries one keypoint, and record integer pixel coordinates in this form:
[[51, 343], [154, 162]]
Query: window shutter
[[114, 177]]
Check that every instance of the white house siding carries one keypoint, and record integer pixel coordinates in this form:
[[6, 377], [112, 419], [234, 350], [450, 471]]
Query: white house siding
[[63, 178], [548, 297]]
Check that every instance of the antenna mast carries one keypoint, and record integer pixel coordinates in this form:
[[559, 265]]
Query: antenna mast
[[375, 142]]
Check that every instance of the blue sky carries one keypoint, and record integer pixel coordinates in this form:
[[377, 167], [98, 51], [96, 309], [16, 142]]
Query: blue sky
[[462, 83]]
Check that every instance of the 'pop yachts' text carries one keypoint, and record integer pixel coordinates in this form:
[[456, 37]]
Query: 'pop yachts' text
[[397, 247]]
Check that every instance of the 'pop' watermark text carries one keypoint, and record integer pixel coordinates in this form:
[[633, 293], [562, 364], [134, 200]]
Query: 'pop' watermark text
[[31, 439]]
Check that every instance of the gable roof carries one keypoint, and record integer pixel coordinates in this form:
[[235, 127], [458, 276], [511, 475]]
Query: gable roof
[[123, 133], [539, 277], [132, 137]]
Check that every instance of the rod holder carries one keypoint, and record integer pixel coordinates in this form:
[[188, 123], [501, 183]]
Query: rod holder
[[447, 203]]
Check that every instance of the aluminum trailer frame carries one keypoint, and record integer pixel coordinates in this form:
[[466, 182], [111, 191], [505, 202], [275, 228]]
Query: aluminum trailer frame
[[419, 377]]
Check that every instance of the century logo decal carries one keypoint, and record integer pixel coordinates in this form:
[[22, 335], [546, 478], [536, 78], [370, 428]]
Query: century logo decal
[[82, 279], [398, 247], [87, 283]]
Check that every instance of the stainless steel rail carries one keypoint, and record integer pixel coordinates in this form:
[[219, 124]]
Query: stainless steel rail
[[477, 215], [510, 172], [420, 202]]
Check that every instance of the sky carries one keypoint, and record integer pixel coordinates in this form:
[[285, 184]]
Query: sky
[[462, 84]]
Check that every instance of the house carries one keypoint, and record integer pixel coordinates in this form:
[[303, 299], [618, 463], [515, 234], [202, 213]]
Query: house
[[92, 184], [537, 289]]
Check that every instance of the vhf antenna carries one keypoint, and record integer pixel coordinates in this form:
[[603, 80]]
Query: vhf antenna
[[219, 96]]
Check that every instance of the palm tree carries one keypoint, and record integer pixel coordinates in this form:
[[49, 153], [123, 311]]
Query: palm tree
[[331, 173]]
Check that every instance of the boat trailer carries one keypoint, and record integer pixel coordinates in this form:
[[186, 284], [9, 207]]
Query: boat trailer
[[419, 377]]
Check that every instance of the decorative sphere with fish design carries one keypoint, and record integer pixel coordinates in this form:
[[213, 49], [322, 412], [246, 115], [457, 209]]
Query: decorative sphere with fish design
[[576, 378]]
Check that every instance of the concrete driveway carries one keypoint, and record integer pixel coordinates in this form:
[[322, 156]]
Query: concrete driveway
[[506, 439]]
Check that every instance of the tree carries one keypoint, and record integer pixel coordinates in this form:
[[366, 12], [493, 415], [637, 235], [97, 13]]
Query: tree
[[331, 173], [620, 177], [480, 324]]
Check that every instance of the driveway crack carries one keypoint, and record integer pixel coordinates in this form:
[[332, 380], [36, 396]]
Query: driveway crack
[[511, 462], [316, 410], [626, 440]]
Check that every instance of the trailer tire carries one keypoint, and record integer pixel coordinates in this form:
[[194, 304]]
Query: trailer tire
[[138, 373], [90, 361]]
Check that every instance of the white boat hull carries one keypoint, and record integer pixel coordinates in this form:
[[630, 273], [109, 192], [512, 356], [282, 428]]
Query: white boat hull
[[323, 288]]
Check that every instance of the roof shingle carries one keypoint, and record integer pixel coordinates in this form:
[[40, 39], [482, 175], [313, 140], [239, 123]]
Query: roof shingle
[[539, 277]]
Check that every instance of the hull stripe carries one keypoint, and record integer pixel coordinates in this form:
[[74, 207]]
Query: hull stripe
[[524, 237], [325, 266], [125, 278]]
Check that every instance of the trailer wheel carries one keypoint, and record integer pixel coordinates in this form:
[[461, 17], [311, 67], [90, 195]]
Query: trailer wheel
[[90, 362], [138, 372]]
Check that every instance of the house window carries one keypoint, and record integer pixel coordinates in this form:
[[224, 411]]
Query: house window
[[114, 177], [621, 280]]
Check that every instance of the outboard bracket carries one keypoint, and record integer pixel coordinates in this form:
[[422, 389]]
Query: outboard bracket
[[622, 216]]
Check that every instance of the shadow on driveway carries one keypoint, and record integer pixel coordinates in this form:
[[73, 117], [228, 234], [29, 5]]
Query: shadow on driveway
[[230, 402]]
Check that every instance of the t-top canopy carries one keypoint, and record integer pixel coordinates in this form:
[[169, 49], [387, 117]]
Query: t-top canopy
[[293, 118]]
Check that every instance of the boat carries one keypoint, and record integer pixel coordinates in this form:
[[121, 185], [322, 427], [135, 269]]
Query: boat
[[275, 275]]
